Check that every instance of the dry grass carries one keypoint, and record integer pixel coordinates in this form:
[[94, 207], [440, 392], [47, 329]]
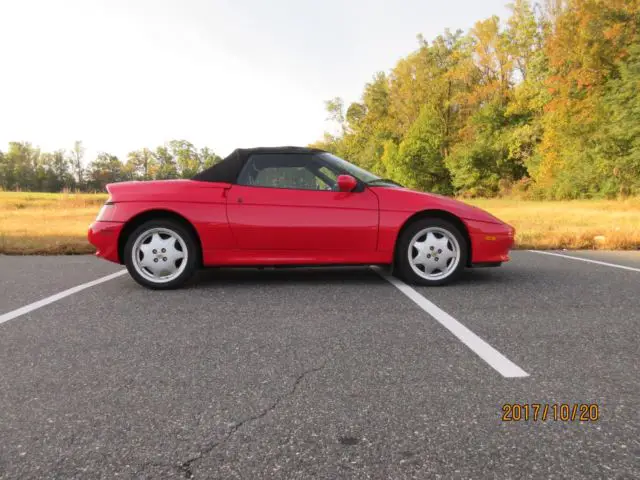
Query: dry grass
[[575, 224], [50, 223], [47, 223]]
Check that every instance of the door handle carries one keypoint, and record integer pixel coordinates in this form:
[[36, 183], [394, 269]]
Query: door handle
[[240, 200]]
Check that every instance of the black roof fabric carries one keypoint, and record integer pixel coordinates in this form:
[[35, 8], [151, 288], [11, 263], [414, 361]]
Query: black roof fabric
[[229, 168]]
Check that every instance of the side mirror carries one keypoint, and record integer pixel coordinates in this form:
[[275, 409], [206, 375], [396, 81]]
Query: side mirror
[[346, 183]]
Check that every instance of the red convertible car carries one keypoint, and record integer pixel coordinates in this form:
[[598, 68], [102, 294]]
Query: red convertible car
[[291, 206]]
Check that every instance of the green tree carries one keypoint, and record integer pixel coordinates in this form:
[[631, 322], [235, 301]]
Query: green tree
[[616, 144], [585, 49], [6, 173], [59, 165], [186, 156], [208, 157], [523, 36], [106, 168], [54, 175], [335, 109], [76, 156], [167, 168], [22, 163], [418, 162], [142, 164]]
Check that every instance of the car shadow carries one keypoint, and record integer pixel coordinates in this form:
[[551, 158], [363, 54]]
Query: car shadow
[[356, 275], [481, 277], [275, 276]]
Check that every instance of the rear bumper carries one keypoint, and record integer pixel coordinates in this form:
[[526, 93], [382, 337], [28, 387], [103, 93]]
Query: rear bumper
[[490, 242], [104, 236]]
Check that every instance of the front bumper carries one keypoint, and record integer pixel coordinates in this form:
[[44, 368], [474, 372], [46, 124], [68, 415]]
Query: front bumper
[[490, 242], [104, 236]]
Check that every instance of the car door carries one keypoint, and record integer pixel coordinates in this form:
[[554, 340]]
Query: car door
[[289, 201]]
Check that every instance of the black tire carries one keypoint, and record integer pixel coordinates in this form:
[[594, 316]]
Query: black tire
[[403, 268], [192, 261]]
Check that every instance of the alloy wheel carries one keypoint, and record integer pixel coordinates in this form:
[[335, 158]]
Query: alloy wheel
[[434, 253], [159, 255]]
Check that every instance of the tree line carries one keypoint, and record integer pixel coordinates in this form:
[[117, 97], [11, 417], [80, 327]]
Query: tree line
[[24, 167], [546, 104]]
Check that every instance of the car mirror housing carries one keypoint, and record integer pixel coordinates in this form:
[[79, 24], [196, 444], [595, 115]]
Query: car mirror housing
[[346, 183]]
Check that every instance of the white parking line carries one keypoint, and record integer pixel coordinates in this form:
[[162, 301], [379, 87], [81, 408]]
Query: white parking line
[[499, 362], [616, 265], [54, 298]]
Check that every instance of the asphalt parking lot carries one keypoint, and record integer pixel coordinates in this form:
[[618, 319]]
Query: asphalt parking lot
[[321, 373]]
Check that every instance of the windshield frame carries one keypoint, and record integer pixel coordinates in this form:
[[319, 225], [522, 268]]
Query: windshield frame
[[364, 177], [343, 166]]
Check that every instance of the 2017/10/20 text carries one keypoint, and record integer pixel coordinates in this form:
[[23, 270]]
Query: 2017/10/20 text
[[557, 412]]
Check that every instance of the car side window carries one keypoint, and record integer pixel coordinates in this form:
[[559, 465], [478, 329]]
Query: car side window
[[292, 171]]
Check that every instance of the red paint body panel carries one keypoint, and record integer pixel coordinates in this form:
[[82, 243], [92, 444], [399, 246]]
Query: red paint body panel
[[398, 205], [168, 191], [490, 242], [209, 220], [203, 204], [247, 225], [104, 236], [296, 257], [303, 220]]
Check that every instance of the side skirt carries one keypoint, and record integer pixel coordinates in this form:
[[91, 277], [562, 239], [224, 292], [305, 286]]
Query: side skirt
[[302, 265]]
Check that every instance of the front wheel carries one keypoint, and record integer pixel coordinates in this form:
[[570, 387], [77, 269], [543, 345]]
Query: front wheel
[[161, 254], [431, 251]]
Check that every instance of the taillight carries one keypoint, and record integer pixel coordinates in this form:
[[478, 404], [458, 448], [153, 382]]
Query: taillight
[[105, 212]]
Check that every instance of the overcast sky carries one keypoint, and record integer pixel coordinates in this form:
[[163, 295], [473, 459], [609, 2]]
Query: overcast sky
[[124, 74]]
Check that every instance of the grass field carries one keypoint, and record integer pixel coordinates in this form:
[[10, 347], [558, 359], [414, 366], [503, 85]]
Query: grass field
[[47, 223], [50, 223]]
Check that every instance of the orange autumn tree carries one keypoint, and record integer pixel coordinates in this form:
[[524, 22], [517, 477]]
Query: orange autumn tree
[[587, 47], [544, 103]]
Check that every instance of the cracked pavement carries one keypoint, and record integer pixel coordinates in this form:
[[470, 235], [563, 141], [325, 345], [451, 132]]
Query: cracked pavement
[[317, 373], [186, 466]]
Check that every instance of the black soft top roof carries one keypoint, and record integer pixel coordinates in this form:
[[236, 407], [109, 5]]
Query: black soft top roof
[[229, 168]]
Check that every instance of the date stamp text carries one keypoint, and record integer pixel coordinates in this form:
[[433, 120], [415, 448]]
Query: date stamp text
[[555, 412]]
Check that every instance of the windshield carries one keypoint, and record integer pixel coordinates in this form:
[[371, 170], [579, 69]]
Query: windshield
[[340, 164]]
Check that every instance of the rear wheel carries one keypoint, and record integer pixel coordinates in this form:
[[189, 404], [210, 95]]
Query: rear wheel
[[161, 254], [431, 251]]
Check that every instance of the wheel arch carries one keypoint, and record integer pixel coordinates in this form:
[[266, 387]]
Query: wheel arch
[[155, 214], [443, 215]]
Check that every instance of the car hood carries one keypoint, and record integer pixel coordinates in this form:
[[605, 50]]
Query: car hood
[[405, 199]]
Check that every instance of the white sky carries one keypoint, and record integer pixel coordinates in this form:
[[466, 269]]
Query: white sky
[[125, 74]]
